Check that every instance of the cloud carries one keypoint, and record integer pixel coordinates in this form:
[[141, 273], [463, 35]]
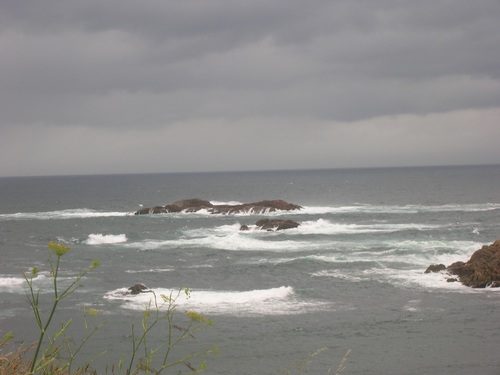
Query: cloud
[[256, 143], [124, 71]]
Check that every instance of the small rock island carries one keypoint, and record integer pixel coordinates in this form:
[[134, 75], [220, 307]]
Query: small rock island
[[195, 205]]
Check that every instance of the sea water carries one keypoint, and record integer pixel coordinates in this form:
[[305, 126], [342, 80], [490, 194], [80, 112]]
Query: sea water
[[349, 278]]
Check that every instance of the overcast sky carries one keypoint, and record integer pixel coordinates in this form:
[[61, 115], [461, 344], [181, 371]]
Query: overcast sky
[[129, 86]]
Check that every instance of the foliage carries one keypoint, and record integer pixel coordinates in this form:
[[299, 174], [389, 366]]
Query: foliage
[[55, 352], [153, 316]]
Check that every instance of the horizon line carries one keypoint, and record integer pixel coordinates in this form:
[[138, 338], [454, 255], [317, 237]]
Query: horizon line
[[255, 170]]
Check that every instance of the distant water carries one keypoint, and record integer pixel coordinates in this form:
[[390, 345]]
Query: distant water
[[349, 277]]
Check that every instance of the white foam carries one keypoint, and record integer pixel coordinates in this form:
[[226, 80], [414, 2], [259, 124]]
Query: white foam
[[323, 226], [99, 239], [11, 282], [237, 241], [432, 281], [81, 213], [337, 275], [42, 282], [151, 270], [320, 226], [273, 301], [408, 278], [399, 209], [228, 203]]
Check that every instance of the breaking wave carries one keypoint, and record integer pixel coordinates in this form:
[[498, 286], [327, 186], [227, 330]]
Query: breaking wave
[[80, 213], [273, 301], [98, 239], [399, 209]]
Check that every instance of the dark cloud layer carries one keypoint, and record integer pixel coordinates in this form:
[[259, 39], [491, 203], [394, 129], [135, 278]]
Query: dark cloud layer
[[144, 73]]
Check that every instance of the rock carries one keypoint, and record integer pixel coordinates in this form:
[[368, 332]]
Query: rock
[[273, 224], [276, 224], [195, 204], [151, 210], [139, 288], [482, 269], [435, 268]]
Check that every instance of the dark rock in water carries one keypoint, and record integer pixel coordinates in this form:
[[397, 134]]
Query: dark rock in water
[[272, 224], [435, 268], [276, 224], [482, 269], [451, 280], [195, 205], [139, 288], [151, 210]]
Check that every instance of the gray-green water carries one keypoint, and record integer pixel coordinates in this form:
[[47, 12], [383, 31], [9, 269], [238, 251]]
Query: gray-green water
[[350, 277]]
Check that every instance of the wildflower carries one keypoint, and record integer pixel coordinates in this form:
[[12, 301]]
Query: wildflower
[[94, 312], [197, 317], [59, 249]]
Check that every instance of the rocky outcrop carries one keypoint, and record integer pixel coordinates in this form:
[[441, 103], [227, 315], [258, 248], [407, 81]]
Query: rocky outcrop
[[195, 205], [273, 224], [276, 224], [151, 210], [481, 270], [139, 288], [435, 268]]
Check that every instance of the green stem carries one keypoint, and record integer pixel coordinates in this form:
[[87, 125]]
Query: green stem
[[44, 329]]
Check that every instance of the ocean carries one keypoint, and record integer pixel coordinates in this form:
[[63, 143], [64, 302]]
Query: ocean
[[349, 278]]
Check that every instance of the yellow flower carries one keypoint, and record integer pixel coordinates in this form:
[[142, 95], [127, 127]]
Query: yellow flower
[[197, 317], [59, 249], [94, 312]]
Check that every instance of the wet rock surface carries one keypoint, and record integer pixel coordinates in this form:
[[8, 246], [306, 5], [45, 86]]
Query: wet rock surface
[[195, 205], [480, 271]]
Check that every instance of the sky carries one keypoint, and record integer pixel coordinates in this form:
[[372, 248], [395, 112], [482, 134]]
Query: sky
[[152, 86]]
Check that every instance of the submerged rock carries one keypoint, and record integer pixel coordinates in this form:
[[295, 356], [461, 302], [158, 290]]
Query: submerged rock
[[195, 205]]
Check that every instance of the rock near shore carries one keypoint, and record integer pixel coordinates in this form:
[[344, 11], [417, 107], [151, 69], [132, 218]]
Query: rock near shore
[[273, 224], [195, 205], [480, 271]]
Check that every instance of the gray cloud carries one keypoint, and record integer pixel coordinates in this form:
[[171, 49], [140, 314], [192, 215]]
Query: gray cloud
[[145, 69]]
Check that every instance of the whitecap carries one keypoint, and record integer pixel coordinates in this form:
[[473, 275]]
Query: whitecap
[[236, 241], [80, 213], [399, 209], [228, 203], [323, 226], [151, 270], [274, 301], [99, 239], [11, 283]]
